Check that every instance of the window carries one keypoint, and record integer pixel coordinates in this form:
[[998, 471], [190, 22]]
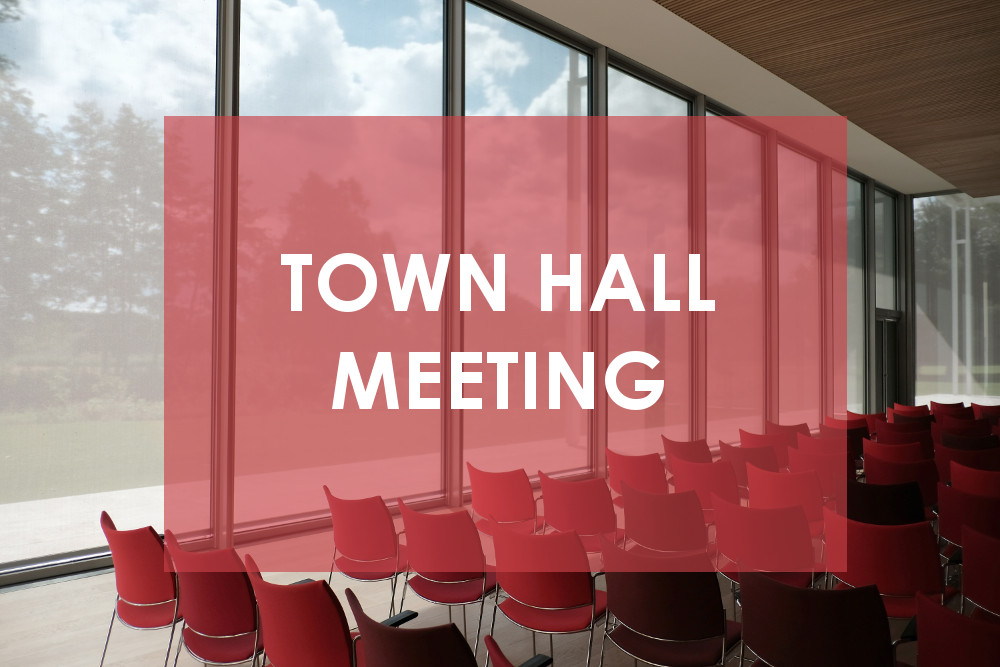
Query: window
[[956, 251], [885, 250], [81, 298]]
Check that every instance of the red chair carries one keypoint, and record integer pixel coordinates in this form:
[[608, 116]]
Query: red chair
[[771, 428], [903, 419], [547, 583], [975, 481], [505, 497], [644, 472], [447, 565], [857, 421], [774, 490], [696, 451], [147, 597], [871, 418], [946, 638], [988, 412], [220, 625], [764, 457], [665, 611], [494, 653], [388, 646], [957, 508], [833, 469], [884, 504], [957, 410], [915, 410], [957, 440], [901, 560], [980, 574], [906, 437], [763, 540], [822, 444], [789, 626], [906, 452], [706, 479], [924, 473], [780, 442], [366, 546], [580, 506], [664, 522], [305, 623], [965, 426], [983, 459]]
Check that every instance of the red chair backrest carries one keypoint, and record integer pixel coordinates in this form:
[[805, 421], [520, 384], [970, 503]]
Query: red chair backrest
[[856, 421], [770, 540], [965, 426], [362, 529], [505, 496], [901, 560], [216, 595], [664, 521], [764, 457], [980, 574], [975, 481], [142, 573], [832, 468], [696, 451], [782, 623], [706, 479], [387, 646], [673, 599], [583, 506], [643, 471], [549, 571], [900, 438], [779, 442], [304, 623], [854, 437], [773, 428], [911, 409], [822, 444], [445, 547], [957, 508], [773, 490], [946, 638], [902, 452], [984, 459], [905, 419], [924, 473], [954, 410], [989, 412]]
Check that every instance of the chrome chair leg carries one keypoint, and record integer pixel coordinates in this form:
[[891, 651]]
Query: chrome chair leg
[[114, 613], [479, 628], [173, 628], [180, 642]]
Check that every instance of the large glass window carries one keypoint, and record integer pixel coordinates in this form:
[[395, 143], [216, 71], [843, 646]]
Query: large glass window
[[340, 58], [83, 91], [956, 243], [855, 295], [884, 217], [631, 96]]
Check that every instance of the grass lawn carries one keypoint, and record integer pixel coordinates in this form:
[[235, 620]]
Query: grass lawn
[[39, 460]]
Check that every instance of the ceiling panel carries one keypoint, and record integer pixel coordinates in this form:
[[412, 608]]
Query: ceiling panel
[[923, 76]]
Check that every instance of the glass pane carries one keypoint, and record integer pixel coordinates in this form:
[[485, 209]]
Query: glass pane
[[647, 214], [956, 253], [341, 58], [799, 296], [885, 250], [630, 96], [513, 71], [735, 274], [855, 296], [83, 91]]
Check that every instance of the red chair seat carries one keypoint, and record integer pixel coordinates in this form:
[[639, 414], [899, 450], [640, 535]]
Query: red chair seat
[[674, 653], [147, 617], [902, 606], [375, 570], [554, 620], [221, 649], [452, 593], [799, 579]]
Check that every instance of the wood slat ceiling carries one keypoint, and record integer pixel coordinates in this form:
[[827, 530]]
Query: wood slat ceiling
[[921, 75]]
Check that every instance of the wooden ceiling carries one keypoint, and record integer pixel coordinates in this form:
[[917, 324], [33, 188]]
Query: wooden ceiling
[[921, 75]]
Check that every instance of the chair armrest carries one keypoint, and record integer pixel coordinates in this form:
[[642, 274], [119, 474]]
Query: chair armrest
[[538, 661], [400, 618]]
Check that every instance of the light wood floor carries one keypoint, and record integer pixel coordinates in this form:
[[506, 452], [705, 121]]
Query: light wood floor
[[65, 624]]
